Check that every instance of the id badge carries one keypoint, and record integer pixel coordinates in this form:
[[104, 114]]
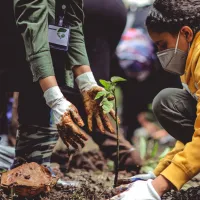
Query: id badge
[[58, 37]]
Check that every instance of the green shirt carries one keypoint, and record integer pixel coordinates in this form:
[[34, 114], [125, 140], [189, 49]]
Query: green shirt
[[32, 19]]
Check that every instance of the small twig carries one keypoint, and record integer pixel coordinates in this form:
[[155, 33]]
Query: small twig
[[117, 130]]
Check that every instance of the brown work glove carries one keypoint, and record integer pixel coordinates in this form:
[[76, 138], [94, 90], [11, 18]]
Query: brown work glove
[[28, 180], [69, 132], [89, 89], [95, 111], [66, 117]]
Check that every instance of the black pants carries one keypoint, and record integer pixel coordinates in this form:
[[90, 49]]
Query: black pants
[[175, 109], [104, 23]]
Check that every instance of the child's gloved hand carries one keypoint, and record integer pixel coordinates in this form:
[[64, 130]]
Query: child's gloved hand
[[139, 190]]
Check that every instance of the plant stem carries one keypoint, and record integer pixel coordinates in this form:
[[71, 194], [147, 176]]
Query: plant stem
[[117, 130]]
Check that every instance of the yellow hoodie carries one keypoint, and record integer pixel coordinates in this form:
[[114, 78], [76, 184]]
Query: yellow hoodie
[[183, 162]]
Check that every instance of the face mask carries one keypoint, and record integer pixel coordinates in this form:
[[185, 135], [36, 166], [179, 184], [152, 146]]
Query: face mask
[[173, 60]]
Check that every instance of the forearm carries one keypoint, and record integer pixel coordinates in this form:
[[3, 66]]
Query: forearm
[[78, 70], [162, 185], [48, 82]]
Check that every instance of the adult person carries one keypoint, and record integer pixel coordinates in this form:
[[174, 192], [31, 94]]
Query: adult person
[[174, 27], [36, 136]]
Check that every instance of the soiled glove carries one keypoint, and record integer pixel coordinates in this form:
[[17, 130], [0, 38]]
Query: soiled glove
[[139, 190], [89, 89], [66, 117], [132, 179]]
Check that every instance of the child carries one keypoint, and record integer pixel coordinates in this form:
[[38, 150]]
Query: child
[[174, 26]]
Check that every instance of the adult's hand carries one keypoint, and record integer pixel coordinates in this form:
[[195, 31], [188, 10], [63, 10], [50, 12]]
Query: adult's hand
[[89, 89], [66, 117]]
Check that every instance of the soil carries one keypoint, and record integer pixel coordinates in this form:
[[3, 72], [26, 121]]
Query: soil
[[87, 185], [192, 193], [90, 180], [90, 177]]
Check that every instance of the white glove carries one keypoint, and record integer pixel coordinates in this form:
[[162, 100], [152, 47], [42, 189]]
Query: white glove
[[66, 117], [86, 81], [132, 179], [139, 190], [57, 102]]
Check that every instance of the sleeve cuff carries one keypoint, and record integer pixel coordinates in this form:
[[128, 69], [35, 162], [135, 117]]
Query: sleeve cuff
[[161, 166], [41, 65], [175, 175]]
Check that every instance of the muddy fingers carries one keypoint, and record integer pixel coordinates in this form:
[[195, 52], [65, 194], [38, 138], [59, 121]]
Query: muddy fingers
[[99, 123], [76, 117], [112, 114], [78, 140], [90, 121], [70, 133], [108, 123], [71, 142]]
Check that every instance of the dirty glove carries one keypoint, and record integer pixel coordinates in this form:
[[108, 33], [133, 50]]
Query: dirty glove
[[66, 118], [139, 190], [143, 177], [89, 89]]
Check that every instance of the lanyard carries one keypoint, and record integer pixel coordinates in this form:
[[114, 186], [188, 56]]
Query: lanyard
[[59, 33], [60, 13]]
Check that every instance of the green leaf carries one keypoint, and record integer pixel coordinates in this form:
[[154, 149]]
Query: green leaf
[[106, 105], [116, 79], [154, 150], [101, 94], [164, 153], [106, 84], [143, 147]]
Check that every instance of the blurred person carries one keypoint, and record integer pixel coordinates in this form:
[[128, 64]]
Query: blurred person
[[174, 27]]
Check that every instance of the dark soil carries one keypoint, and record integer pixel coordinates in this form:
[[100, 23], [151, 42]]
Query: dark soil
[[92, 179], [89, 185], [192, 193]]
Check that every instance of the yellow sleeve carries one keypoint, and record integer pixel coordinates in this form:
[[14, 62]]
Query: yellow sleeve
[[166, 161], [186, 164]]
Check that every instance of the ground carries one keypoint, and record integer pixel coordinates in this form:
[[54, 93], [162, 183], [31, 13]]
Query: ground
[[91, 178]]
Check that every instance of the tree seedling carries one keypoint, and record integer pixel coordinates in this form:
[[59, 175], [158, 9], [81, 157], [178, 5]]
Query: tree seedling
[[109, 102]]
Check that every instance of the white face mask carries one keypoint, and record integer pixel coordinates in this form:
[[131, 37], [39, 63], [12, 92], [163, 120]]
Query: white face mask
[[173, 60]]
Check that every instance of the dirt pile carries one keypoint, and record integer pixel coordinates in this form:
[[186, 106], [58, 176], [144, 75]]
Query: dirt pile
[[192, 193]]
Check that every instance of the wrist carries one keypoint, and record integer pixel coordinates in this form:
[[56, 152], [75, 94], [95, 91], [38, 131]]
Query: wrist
[[78, 70], [161, 185], [52, 94], [48, 82], [86, 81]]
